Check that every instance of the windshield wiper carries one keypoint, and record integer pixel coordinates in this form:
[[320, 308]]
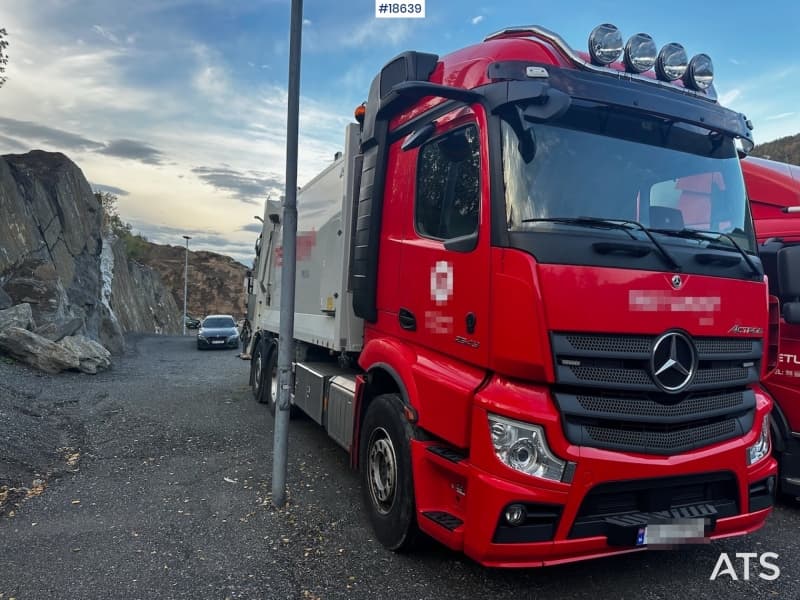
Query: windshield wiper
[[622, 224], [711, 236]]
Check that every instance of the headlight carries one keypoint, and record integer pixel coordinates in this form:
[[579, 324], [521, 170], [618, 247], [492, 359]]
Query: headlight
[[235, 336], [201, 336], [523, 447], [761, 448]]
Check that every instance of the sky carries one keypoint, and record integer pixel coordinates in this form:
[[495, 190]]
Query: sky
[[178, 107]]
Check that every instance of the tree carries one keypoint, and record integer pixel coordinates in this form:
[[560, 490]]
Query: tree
[[3, 55], [135, 244]]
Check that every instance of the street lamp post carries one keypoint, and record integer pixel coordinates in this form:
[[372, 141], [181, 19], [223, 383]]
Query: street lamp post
[[185, 280]]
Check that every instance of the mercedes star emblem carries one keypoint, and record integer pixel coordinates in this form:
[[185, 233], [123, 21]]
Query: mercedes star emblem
[[673, 361]]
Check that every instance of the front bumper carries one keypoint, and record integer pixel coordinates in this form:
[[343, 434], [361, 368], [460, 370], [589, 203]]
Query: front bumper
[[571, 520], [217, 343]]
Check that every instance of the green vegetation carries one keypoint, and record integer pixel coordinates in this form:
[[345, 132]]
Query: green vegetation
[[785, 149], [135, 244], [3, 55]]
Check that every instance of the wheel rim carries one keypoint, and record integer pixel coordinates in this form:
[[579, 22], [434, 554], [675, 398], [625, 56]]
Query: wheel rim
[[274, 386], [258, 369], [382, 470]]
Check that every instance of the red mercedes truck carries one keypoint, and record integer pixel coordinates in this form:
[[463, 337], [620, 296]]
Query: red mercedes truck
[[530, 303], [774, 192]]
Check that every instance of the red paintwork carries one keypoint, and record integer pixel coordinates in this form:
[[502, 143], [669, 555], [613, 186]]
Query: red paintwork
[[518, 303], [771, 186]]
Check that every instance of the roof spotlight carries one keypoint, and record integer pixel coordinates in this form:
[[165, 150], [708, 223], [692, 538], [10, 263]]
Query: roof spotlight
[[672, 62], [640, 53], [700, 74], [605, 44]]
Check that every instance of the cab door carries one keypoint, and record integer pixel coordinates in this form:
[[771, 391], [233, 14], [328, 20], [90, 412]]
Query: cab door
[[444, 290]]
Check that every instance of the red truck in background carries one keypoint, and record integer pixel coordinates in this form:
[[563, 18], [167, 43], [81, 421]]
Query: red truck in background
[[774, 192], [531, 307]]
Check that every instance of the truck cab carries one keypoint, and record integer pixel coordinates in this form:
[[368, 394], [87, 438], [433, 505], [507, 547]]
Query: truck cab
[[774, 192], [530, 304]]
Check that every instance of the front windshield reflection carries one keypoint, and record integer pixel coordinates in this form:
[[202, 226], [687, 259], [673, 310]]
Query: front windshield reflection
[[597, 162]]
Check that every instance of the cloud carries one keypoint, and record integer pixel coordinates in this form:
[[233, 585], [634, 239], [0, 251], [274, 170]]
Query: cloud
[[306, 21], [779, 116], [30, 131], [376, 32], [106, 34], [132, 150], [729, 96], [248, 187], [12, 144], [110, 189], [252, 227], [476, 20]]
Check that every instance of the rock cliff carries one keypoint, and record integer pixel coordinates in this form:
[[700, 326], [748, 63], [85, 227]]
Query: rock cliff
[[53, 256], [216, 282]]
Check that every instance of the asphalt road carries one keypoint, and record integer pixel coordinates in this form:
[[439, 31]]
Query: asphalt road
[[163, 490]]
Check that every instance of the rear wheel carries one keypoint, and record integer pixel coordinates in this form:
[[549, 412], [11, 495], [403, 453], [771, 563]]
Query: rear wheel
[[386, 479], [271, 378], [258, 366]]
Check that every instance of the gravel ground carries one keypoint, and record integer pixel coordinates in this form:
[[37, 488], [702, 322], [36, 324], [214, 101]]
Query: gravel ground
[[153, 481]]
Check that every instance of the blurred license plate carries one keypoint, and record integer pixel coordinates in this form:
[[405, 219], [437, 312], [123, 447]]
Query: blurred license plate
[[680, 531], [217, 341]]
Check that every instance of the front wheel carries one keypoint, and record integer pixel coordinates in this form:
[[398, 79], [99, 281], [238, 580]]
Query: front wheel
[[386, 478]]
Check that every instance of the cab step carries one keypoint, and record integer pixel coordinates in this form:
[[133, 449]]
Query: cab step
[[447, 453], [445, 519]]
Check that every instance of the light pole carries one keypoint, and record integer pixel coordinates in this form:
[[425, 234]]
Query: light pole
[[185, 280]]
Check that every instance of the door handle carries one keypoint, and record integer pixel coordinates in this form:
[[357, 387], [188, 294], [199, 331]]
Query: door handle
[[407, 319]]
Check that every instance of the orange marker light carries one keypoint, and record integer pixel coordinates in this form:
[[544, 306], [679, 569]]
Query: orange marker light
[[359, 113]]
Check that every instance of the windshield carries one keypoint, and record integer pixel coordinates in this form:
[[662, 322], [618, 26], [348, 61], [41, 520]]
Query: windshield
[[612, 164], [218, 323]]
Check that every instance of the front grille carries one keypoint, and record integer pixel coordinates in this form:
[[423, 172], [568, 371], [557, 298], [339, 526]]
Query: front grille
[[608, 397], [662, 442], [612, 501], [723, 346], [612, 375], [645, 407], [720, 376], [609, 343], [623, 362]]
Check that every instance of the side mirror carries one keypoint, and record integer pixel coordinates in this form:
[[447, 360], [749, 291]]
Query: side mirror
[[789, 272], [791, 313]]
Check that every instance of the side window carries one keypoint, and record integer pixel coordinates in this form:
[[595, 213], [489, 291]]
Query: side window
[[448, 185]]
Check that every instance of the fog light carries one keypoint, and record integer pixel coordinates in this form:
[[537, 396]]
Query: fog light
[[515, 514], [700, 73], [640, 53]]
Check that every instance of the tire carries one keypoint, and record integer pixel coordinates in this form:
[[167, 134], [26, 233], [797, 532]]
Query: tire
[[245, 336], [386, 478], [257, 370]]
